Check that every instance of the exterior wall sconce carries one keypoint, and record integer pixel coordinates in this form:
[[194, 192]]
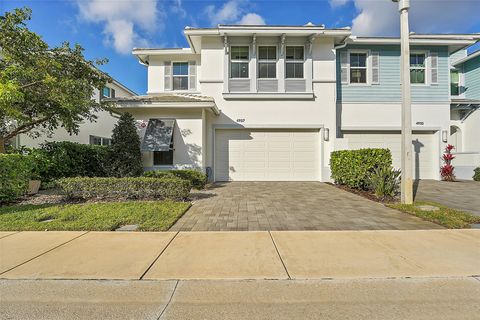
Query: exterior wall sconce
[[444, 136], [326, 134]]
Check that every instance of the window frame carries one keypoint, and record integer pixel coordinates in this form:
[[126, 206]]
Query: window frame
[[180, 76], [367, 54], [102, 139], [293, 61], [426, 67], [247, 61], [458, 82], [171, 150], [267, 61], [111, 92]]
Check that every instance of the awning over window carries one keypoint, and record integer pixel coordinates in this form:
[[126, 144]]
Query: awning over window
[[158, 135]]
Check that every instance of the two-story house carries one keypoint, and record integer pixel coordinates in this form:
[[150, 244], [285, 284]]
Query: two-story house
[[97, 132], [272, 102]]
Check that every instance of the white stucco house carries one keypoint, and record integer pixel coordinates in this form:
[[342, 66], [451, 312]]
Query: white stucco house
[[270, 103], [98, 132]]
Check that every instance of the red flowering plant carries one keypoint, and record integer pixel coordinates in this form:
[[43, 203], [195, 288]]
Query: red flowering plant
[[446, 171]]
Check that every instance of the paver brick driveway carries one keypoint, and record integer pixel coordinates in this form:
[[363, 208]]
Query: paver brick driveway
[[237, 206]]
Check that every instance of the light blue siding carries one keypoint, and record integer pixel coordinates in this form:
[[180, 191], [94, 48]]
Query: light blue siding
[[388, 89], [460, 54], [472, 78]]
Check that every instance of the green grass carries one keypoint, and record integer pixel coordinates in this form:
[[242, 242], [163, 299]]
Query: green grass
[[148, 215], [447, 217]]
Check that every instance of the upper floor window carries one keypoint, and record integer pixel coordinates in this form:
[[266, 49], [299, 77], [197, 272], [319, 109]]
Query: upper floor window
[[239, 59], [294, 60], [180, 75], [101, 141], [417, 68], [267, 62], [108, 92], [454, 83], [358, 67]]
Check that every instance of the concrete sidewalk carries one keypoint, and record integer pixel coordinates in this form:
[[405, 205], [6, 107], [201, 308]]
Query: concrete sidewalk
[[240, 255], [372, 299]]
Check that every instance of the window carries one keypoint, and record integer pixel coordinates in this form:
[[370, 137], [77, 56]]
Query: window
[[108, 92], [358, 67], [267, 62], [454, 83], [294, 62], [417, 68], [100, 141], [180, 76], [239, 59], [164, 158]]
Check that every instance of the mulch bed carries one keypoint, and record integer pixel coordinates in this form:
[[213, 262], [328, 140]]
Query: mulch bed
[[364, 193]]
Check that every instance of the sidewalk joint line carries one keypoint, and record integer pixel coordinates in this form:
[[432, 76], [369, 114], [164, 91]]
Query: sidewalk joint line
[[279, 256], [10, 234], [161, 252], [169, 300], [43, 253]]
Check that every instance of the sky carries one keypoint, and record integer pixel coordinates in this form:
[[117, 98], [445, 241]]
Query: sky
[[111, 28]]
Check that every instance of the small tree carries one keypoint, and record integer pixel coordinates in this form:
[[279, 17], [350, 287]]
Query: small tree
[[447, 170], [42, 87], [125, 158]]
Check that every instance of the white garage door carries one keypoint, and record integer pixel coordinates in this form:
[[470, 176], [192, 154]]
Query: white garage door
[[266, 155], [425, 149]]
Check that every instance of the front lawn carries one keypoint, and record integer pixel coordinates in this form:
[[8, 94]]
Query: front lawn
[[107, 216], [445, 216]]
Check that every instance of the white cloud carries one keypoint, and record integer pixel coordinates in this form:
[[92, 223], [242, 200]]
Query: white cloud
[[124, 20], [381, 17], [252, 19], [233, 12], [177, 8]]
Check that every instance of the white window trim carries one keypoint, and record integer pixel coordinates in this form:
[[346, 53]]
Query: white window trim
[[295, 61], [367, 67], [248, 61], [109, 92], [461, 81], [427, 68], [267, 61], [173, 76]]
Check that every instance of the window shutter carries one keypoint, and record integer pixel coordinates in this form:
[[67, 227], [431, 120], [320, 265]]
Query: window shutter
[[168, 75], [192, 75], [434, 67], [344, 67], [375, 68]]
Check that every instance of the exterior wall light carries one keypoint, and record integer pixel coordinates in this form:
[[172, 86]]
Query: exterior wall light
[[326, 134], [444, 136]]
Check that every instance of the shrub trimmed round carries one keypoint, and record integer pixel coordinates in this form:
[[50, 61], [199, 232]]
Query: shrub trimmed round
[[353, 167], [130, 188], [15, 171], [476, 176]]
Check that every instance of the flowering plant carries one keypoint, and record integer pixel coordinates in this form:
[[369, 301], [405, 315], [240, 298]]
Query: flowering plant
[[447, 170]]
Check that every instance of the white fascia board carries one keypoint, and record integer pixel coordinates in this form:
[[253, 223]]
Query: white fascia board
[[414, 41], [471, 56], [174, 105], [147, 52]]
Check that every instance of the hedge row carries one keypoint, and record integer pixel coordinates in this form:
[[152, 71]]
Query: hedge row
[[476, 175], [15, 171], [353, 167], [129, 188], [197, 178]]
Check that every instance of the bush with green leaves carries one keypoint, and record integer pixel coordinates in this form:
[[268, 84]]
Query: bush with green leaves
[[197, 178], [15, 172], [125, 157], [125, 188], [476, 176], [352, 167], [384, 181]]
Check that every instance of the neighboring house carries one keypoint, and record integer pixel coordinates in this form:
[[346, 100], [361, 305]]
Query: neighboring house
[[98, 132], [465, 112], [272, 102]]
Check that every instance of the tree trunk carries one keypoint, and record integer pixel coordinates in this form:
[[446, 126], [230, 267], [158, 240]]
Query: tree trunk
[[2, 145]]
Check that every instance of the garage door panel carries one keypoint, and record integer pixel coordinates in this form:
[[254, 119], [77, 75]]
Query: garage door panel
[[278, 155], [424, 158]]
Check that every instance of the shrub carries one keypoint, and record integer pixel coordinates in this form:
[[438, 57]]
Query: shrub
[[384, 181], [125, 157], [197, 178], [476, 175], [130, 188], [15, 171], [447, 170], [65, 159], [352, 167]]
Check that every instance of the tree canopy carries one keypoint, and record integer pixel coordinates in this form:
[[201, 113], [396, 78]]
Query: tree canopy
[[41, 87]]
